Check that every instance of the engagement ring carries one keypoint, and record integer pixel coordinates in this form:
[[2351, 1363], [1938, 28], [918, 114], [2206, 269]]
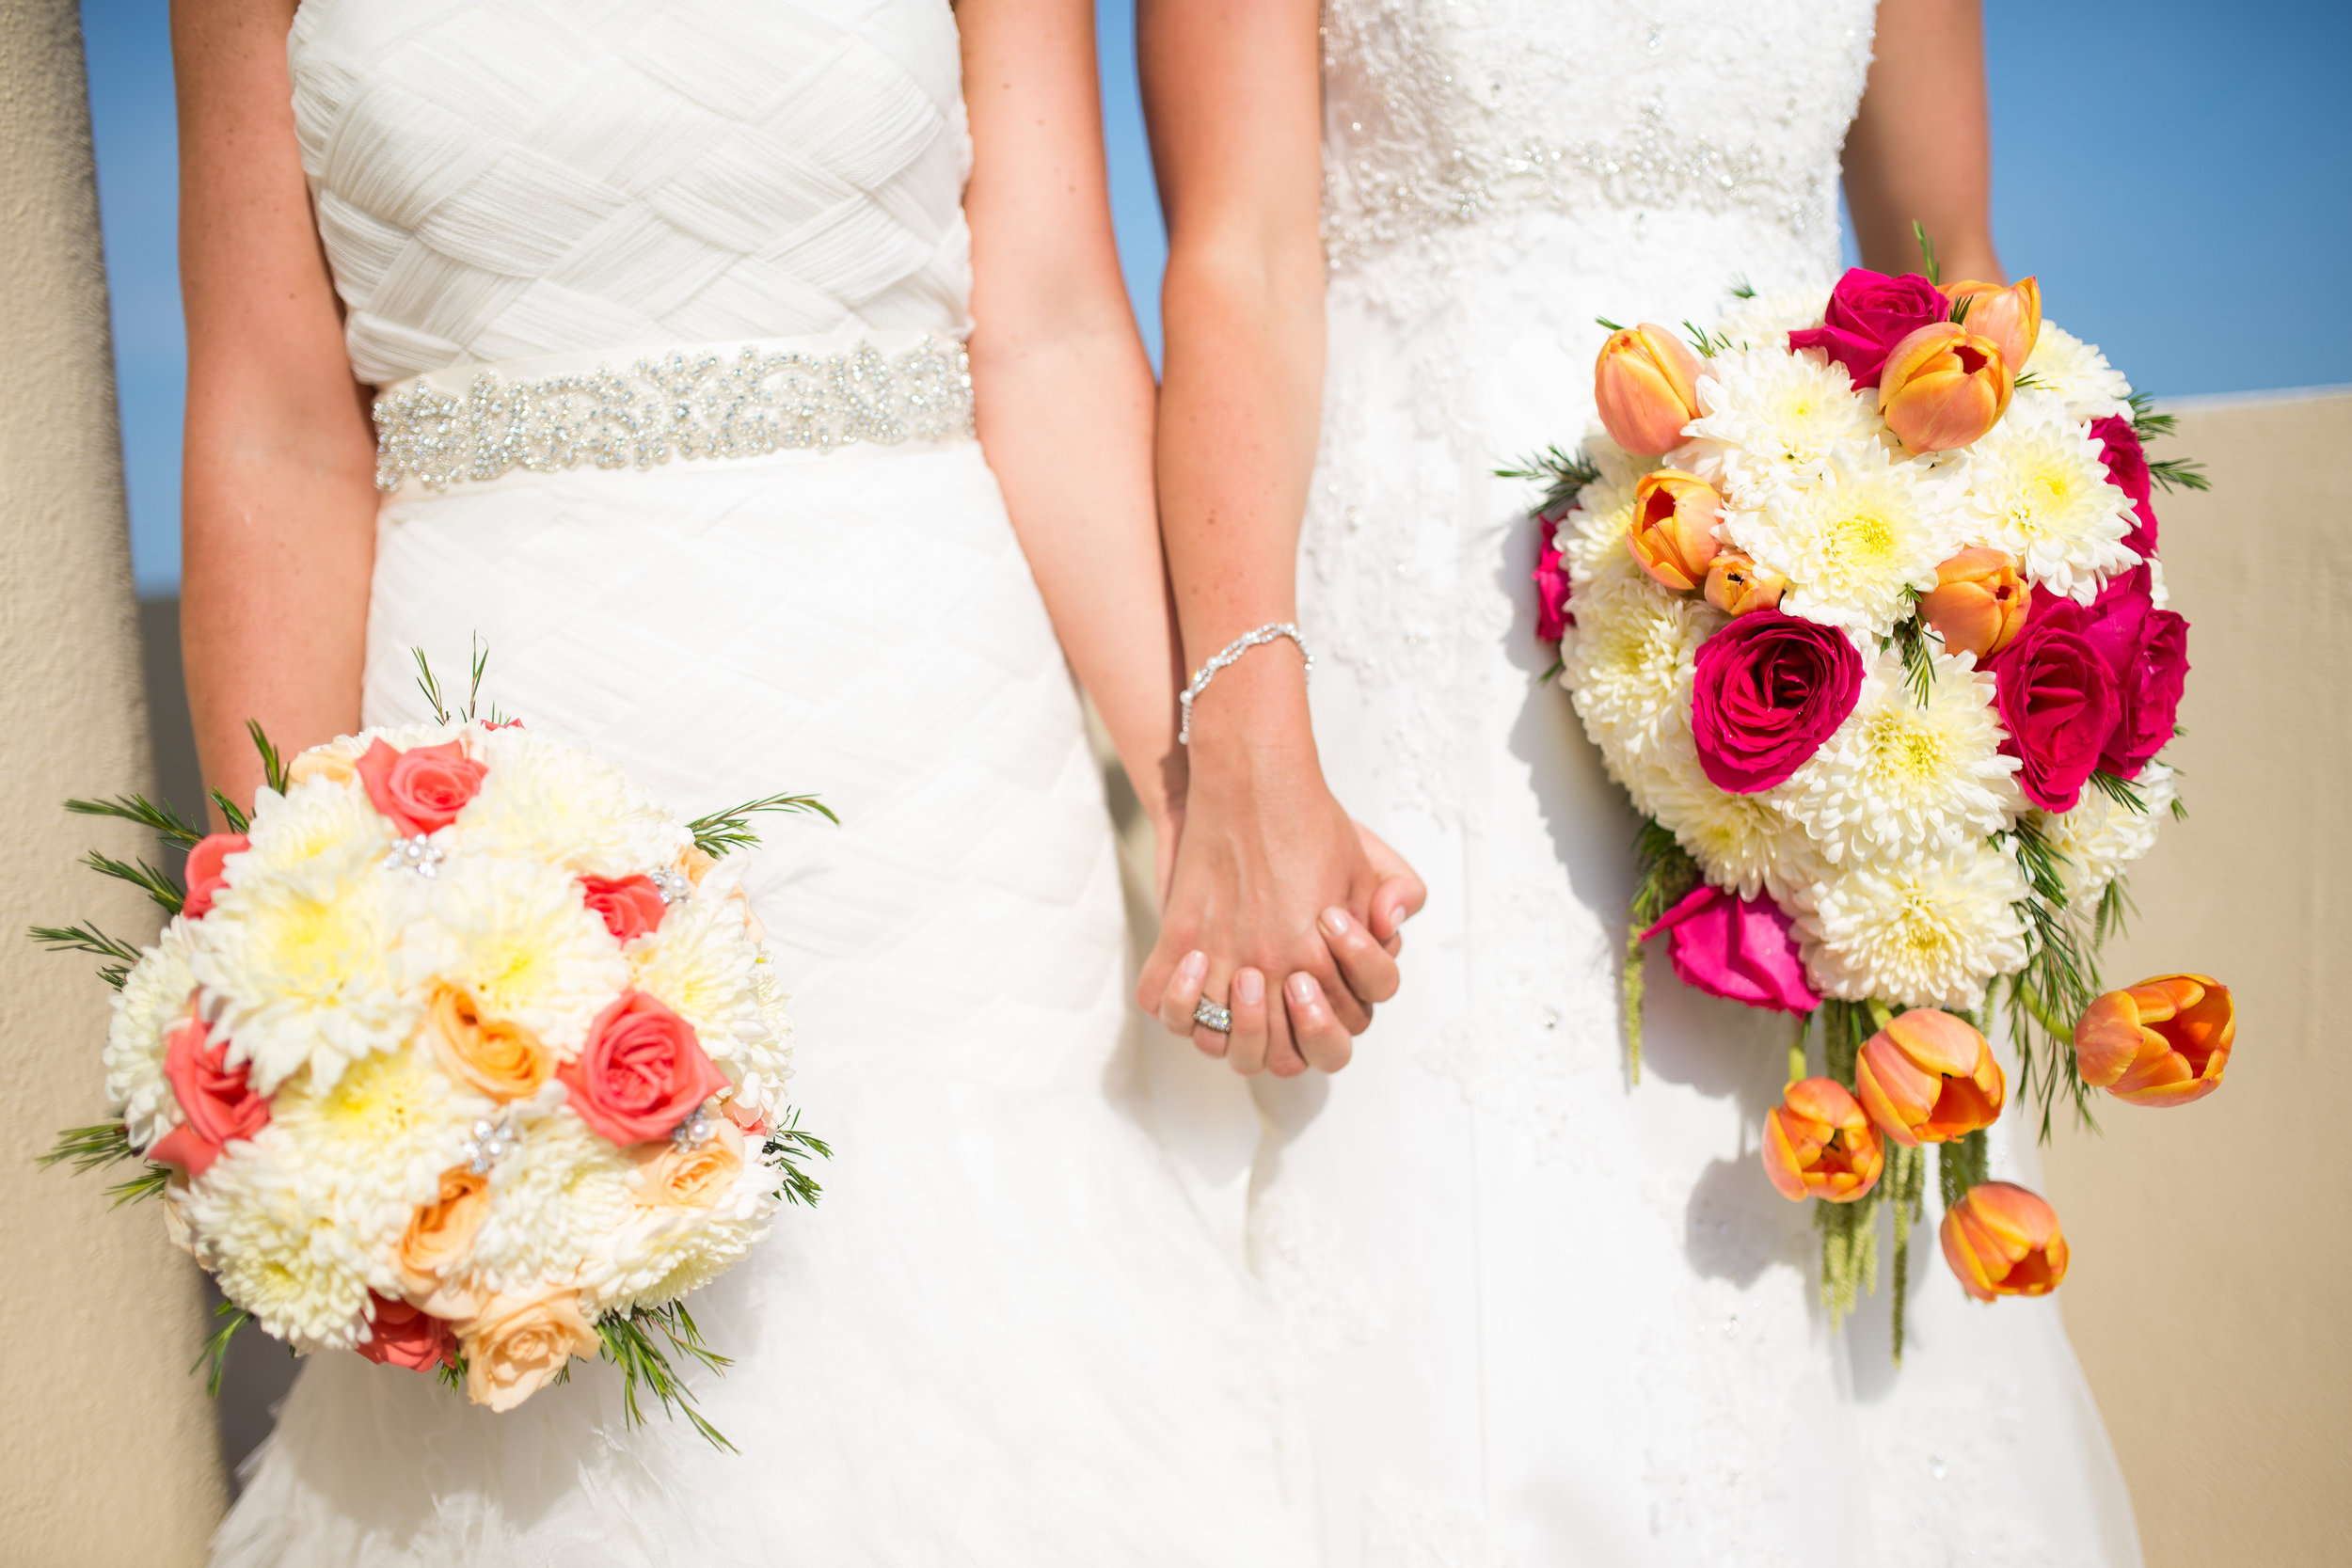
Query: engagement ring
[[1213, 1015]]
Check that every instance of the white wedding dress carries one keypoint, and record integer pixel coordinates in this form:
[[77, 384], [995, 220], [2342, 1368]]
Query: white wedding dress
[[1540, 1316], [1002, 1337]]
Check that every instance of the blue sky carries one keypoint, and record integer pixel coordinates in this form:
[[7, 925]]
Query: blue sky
[[2173, 170]]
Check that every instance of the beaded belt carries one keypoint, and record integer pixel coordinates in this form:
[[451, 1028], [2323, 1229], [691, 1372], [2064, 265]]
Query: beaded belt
[[473, 423]]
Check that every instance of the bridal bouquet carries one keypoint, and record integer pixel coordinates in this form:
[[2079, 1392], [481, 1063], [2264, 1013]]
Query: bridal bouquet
[[462, 1054], [1860, 598]]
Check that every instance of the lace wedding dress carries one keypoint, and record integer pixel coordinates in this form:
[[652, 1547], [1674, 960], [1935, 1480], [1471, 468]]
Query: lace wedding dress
[[1541, 1316], [667, 299]]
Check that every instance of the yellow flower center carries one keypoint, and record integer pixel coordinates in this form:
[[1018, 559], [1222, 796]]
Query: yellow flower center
[[1863, 542], [1904, 747]]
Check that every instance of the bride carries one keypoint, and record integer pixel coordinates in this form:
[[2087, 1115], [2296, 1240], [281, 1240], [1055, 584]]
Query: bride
[[1533, 1316], [1002, 1337]]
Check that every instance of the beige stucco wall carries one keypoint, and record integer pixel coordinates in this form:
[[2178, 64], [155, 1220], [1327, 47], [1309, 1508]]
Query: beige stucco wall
[[107, 1450], [2211, 1268]]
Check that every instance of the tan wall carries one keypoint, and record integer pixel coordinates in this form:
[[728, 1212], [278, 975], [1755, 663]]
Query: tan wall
[[108, 1454], [2210, 1270]]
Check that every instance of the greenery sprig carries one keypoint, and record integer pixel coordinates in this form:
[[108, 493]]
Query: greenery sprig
[[1664, 873], [1560, 473], [729, 830]]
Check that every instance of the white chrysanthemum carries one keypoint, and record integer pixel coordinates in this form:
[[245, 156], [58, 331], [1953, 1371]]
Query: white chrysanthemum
[[373, 1147], [2099, 837], [1932, 932], [1629, 666], [2159, 596], [2036, 488], [1851, 541], [1743, 843], [763, 1068], [544, 800], [2077, 374], [318, 818], [1765, 320], [515, 935], [1902, 777], [311, 968], [1769, 418], [153, 999], [557, 1200], [663, 1254], [259, 1223], [700, 964]]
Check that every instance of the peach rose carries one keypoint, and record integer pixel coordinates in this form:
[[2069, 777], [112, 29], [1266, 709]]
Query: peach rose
[[503, 1060], [438, 1238], [424, 788], [669, 1177], [405, 1335], [518, 1344], [321, 762]]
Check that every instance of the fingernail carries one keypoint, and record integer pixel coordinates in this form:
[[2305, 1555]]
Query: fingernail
[[1249, 987], [1193, 966], [1302, 989], [1335, 922]]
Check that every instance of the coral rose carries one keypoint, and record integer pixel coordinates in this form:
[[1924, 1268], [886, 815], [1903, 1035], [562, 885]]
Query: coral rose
[[668, 1177], [2164, 1042], [405, 1335], [503, 1060], [517, 1346], [1818, 1143], [1646, 384], [438, 1236], [1929, 1077], [1552, 588], [2002, 1241], [217, 1104], [422, 789], [206, 876], [1765, 692], [2056, 697], [640, 1073], [631, 906], [1736, 948], [1868, 314]]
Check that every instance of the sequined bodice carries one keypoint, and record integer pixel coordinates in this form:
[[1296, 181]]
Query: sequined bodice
[[1444, 113], [500, 179]]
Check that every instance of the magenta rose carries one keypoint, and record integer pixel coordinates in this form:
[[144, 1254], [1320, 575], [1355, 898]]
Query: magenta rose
[[207, 874], [1868, 314], [2127, 471], [1738, 948], [2056, 697], [1552, 618], [1765, 692], [641, 1072], [424, 788], [218, 1105], [405, 1335], [2147, 652]]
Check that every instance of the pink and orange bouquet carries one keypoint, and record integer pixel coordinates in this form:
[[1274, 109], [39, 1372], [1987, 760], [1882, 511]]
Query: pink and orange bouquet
[[1860, 598], [461, 1054]]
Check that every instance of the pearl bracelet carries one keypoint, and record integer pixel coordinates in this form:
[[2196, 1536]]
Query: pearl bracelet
[[1232, 652]]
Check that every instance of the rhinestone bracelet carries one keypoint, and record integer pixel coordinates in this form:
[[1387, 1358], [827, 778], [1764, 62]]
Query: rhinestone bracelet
[[1234, 650]]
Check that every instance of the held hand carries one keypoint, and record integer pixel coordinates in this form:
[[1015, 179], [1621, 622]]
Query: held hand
[[1366, 956]]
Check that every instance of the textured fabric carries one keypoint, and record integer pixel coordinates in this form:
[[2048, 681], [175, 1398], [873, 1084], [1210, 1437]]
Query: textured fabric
[[1538, 1315], [1003, 1337]]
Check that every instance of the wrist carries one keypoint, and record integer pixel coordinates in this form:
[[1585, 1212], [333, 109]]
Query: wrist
[[1254, 713]]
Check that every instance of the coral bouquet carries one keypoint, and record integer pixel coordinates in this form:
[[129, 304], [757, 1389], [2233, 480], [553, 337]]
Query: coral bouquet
[[1859, 595], [461, 1054]]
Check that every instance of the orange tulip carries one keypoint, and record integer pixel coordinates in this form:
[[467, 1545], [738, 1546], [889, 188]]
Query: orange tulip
[[1736, 585], [2010, 317], [1647, 384], [1943, 387], [1672, 533], [1979, 602], [2161, 1042], [2003, 1240], [1929, 1077], [1818, 1144]]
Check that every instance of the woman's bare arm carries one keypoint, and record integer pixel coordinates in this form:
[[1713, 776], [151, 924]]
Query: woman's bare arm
[[1921, 147], [277, 502], [1062, 387]]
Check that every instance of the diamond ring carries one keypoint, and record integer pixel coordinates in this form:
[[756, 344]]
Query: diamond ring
[[1213, 1014]]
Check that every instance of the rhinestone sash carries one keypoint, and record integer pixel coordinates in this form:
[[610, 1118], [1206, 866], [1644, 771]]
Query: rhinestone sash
[[476, 423]]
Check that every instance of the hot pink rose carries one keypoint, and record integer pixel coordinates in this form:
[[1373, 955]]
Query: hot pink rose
[[2127, 471], [640, 1073], [216, 1104], [2147, 652], [424, 788], [1868, 314], [405, 1335], [2056, 698], [1552, 618], [631, 906], [1738, 948], [205, 875], [1765, 692]]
